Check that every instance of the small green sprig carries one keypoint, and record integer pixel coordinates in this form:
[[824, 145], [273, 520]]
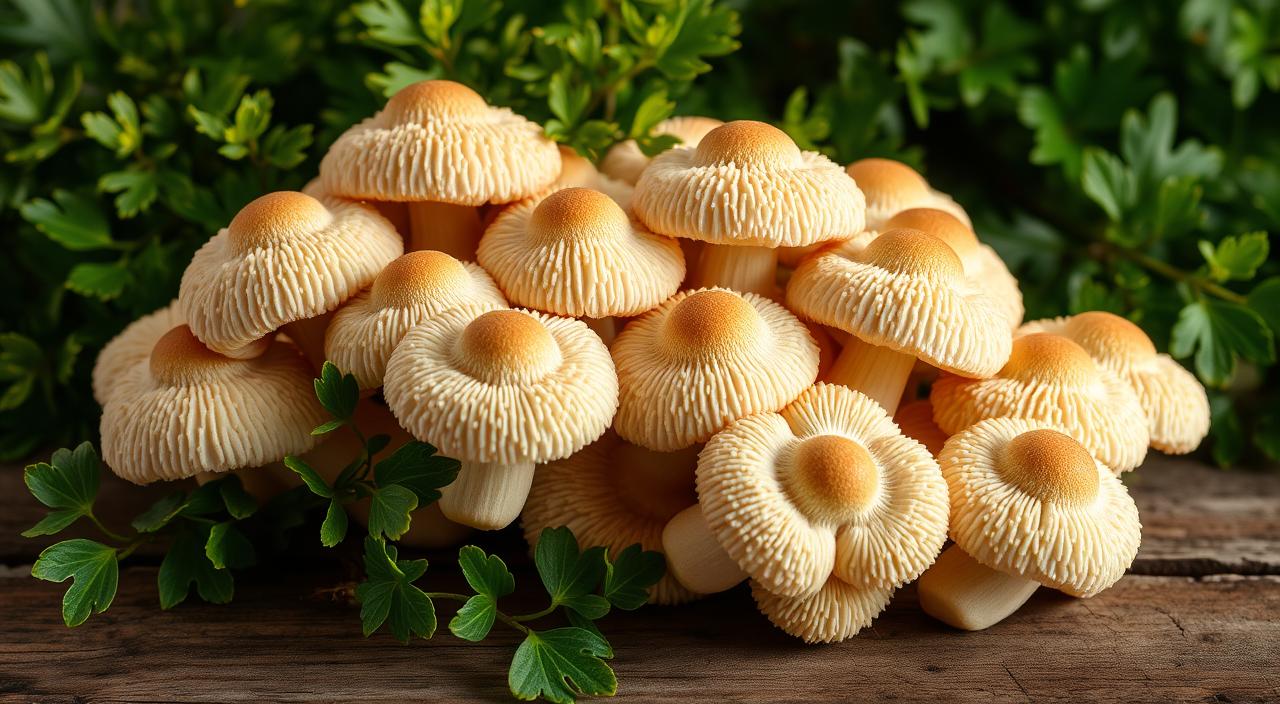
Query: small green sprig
[[201, 526], [556, 663]]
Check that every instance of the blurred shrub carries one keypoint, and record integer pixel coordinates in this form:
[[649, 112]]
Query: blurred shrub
[[1121, 155]]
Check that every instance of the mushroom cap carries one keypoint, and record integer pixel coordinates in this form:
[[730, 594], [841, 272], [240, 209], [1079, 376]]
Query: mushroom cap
[[415, 287], [285, 257], [1029, 500], [131, 346], [1051, 379], [625, 161], [615, 494], [440, 141], [834, 613], [904, 290], [891, 187], [981, 263], [704, 358], [827, 486], [577, 253], [916, 421], [577, 171], [190, 410], [1175, 402], [747, 183], [508, 386]]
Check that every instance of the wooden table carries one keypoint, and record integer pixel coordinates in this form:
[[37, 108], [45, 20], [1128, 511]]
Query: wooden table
[[1198, 619]]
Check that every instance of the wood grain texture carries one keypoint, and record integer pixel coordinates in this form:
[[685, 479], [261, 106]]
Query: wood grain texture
[[1158, 639], [1194, 621]]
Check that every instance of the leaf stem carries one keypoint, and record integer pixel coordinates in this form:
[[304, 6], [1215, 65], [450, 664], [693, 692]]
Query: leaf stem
[[105, 530], [536, 615], [1169, 271], [513, 621]]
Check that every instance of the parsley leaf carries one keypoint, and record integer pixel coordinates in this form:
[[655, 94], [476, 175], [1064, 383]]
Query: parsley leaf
[[570, 576], [629, 575], [94, 573], [68, 484], [388, 596], [489, 577], [416, 466], [561, 664]]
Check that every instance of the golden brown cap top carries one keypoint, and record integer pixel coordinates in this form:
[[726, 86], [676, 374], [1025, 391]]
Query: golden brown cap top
[[178, 357], [506, 346], [625, 162], [1050, 466], [913, 253], [833, 477], [276, 218], [882, 179], [577, 214], [416, 276], [426, 101], [940, 224], [747, 143], [712, 323], [1107, 335], [1049, 359], [132, 345]]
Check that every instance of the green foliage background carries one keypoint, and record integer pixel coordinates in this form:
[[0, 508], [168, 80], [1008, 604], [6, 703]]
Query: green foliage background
[[1121, 155]]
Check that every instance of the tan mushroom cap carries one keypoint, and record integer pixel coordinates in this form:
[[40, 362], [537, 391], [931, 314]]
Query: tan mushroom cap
[[1051, 379], [1175, 402], [835, 612], [577, 171], [891, 187], [193, 410], [416, 287], [827, 486], [703, 359], [615, 494], [625, 161], [577, 253], [1030, 501], [916, 421], [440, 141], [131, 346], [747, 183], [508, 386], [906, 291], [981, 263], [285, 257]]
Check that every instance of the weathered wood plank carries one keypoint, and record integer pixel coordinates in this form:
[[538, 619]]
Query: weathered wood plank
[[1148, 639]]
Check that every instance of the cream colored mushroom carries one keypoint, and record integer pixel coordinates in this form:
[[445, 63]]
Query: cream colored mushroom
[[625, 161], [131, 346]]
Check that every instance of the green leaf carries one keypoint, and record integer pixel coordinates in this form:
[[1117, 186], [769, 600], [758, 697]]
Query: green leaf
[[328, 427], [388, 596], [1236, 257], [187, 563], [389, 23], [160, 513], [68, 481], [226, 547], [475, 619], [240, 503], [1219, 333], [653, 109], [53, 523], [334, 528], [561, 664], [310, 477], [137, 190], [120, 132], [252, 117], [338, 392], [286, 148], [569, 576], [1225, 431], [94, 573], [1108, 183], [389, 510], [415, 466], [213, 126], [1147, 144], [101, 281], [1264, 299], [629, 575], [487, 574], [71, 220]]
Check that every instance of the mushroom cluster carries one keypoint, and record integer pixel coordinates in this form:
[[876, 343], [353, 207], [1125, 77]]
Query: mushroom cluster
[[770, 368]]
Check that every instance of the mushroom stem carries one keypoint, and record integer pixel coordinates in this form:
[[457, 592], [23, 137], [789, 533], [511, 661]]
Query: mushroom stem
[[487, 495], [743, 269], [962, 592], [308, 335], [878, 372], [605, 327], [262, 483], [445, 227], [694, 555]]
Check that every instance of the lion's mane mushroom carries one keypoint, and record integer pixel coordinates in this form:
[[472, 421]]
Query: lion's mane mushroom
[[746, 190], [903, 297], [916, 420], [576, 253], [285, 261], [500, 392], [438, 146], [1175, 403], [131, 346], [615, 494], [703, 359], [834, 613], [1051, 379], [827, 486], [414, 288], [190, 410], [1029, 507]]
